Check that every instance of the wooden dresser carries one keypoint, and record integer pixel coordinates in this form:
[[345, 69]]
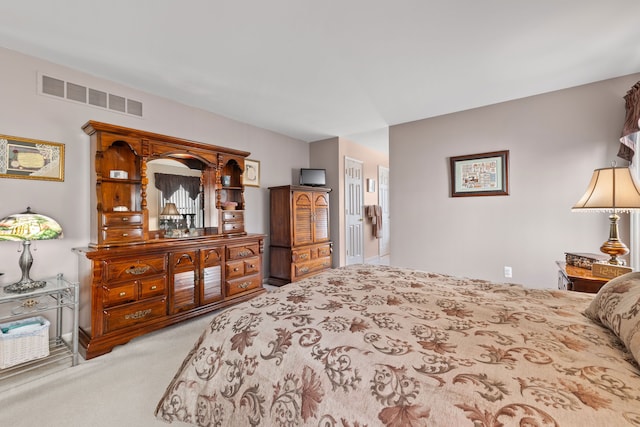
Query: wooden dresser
[[300, 244], [135, 277]]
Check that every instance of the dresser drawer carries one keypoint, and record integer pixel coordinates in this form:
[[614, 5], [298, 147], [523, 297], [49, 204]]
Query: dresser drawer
[[233, 227], [301, 255], [122, 235], [243, 284], [152, 287], [232, 216], [134, 268], [234, 269], [252, 265], [242, 267], [121, 219], [119, 294], [322, 251], [243, 251], [302, 269], [134, 314]]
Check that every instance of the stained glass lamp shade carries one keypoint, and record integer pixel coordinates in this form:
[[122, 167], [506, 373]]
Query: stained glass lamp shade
[[24, 227]]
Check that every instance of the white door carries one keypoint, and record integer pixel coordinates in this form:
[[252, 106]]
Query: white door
[[354, 215], [383, 201]]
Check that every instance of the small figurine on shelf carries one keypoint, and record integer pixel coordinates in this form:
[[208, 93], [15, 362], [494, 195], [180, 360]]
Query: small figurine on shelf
[[192, 226], [182, 223], [229, 206]]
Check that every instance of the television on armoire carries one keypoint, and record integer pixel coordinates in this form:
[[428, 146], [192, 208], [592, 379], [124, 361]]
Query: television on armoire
[[313, 177]]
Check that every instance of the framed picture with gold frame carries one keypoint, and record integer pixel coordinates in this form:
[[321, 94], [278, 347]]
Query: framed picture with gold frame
[[24, 158], [251, 176]]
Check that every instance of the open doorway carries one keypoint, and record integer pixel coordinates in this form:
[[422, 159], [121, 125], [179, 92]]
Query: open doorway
[[383, 202], [365, 186]]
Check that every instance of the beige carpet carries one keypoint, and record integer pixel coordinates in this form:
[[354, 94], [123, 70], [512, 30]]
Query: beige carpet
[[119, 389]]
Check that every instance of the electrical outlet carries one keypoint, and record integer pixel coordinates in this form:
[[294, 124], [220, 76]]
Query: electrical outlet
[[508, 271]]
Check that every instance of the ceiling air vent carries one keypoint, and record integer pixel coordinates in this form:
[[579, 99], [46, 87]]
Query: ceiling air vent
[[75, 92]]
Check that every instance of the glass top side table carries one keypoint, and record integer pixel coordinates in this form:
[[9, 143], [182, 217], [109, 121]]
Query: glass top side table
[[58, 294]]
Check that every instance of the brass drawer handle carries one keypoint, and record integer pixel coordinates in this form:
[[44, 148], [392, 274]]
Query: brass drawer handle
[[125, 219], [138, 314], [154, 287], [125, 234], [236, 269], [141, 269], [121, 294], [252, 265], [244, 253], [304, 270], [244, 285], [303, 256]]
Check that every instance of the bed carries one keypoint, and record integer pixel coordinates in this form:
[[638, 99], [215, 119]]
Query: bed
[[386, 346]]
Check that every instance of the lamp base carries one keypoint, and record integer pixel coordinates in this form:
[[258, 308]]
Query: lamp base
[[24, 286], [614, 248]]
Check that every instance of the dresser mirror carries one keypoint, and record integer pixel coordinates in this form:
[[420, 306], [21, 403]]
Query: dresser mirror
[[178, 182]]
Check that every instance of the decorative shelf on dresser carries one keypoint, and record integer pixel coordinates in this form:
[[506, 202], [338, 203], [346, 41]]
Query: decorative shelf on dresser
[[142, 271], [300, 245]]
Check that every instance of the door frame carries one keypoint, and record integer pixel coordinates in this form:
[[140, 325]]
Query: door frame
[[386, 221], [346, 195]]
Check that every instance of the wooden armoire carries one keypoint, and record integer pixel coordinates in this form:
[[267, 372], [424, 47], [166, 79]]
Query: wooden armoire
[[300, 245]]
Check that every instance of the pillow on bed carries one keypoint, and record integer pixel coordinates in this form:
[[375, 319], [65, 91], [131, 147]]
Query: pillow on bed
[[617, 306]]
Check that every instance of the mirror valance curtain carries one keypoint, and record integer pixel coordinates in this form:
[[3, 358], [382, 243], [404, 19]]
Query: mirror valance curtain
[[169, 184], [631, 128], [628, 151]]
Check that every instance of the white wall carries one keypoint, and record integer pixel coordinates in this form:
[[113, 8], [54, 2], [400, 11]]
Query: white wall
[[24, 113], [556, 140]]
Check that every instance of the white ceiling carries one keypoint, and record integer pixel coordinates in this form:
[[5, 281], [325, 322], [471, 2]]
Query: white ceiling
[[323, 68]]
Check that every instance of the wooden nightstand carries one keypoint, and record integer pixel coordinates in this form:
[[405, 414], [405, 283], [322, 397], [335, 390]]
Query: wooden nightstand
[[578, 279]]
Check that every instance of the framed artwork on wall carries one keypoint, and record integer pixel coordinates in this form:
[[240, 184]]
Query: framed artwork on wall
[[484, 174], [251, 176], [371, 185], [31, 159]]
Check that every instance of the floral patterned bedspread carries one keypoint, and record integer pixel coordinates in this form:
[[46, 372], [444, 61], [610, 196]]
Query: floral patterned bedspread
[[386, 346]]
